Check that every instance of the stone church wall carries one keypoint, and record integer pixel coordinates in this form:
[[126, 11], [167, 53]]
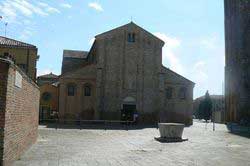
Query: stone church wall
[[128, 70]]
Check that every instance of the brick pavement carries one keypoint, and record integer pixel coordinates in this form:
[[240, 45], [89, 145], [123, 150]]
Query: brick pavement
[[73, 147]]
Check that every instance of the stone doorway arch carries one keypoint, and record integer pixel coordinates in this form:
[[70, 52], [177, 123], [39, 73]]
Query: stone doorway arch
[[128, 108]]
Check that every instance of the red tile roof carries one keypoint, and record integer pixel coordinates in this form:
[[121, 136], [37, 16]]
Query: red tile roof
[[75, 54], [50, 75], [7, 42]]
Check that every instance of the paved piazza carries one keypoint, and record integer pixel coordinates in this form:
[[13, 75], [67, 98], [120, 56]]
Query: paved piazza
[[73, 147]]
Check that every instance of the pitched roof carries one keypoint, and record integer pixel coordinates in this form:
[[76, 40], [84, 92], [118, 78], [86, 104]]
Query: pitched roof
[[130, 24], [178, 75], [56, 84], [75, 54], [7, 42], [211, 96], [88, 69], [50, 75]]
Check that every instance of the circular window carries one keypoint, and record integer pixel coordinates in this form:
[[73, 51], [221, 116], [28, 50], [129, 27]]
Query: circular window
[[46, 96]]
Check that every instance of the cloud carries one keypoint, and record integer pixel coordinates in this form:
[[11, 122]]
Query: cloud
[[48, 8], [96, 6], [24, 10], [66, 5], [7, 11], [169, 55], [69, 17], [42, 4], [91, 41], [52, 10], [34, 8], [210, 42], [199, 74], [26, 33], [11, 9], [199, 64]]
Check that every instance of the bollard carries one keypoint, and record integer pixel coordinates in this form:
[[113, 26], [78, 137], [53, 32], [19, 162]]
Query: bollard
[[56, 124], [105, 127]]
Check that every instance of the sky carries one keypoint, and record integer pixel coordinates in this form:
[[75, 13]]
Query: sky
[[193, 31]]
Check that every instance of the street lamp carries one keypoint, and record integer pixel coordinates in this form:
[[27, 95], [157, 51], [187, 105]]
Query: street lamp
[[6, 23]]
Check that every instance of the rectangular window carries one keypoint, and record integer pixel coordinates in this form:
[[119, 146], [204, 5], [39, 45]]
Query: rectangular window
[[71, 90], [133, 37], [87, 91], [182, 93], [22, 66], [169, 93], [6, 54]]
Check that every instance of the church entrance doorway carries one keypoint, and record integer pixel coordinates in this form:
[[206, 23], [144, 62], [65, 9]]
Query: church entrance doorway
[[127, 113]]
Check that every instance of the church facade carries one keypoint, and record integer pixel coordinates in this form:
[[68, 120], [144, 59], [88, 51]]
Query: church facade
[[122, 74]]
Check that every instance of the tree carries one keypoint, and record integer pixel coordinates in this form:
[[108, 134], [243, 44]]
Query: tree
[[205, 108]]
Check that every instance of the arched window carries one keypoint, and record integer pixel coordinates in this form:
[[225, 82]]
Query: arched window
[[131, 37], [169, 92], [71, 90], [183, 93], [87, 90], [46, 96]]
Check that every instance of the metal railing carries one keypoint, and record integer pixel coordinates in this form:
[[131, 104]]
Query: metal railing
[[57, 123]]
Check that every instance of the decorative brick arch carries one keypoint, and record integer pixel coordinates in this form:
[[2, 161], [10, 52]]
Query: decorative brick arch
[[129, 100]]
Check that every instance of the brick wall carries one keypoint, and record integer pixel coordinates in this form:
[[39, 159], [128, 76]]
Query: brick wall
[[19, 108], [3, 90], [70, 64]]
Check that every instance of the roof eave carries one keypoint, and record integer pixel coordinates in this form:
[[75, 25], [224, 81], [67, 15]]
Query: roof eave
[[14, 46], [179, 75]]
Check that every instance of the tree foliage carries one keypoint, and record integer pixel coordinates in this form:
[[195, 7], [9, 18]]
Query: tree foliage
[[205, 108]]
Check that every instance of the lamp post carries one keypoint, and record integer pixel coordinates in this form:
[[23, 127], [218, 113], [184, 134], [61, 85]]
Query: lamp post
[[213, 115], [5, 28], [213, 121], [5, 24]]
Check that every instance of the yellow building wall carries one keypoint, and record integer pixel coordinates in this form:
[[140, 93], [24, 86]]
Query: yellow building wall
[[53, 102], [27, 56]]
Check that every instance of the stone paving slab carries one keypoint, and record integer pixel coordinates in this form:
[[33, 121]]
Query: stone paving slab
[[74, 147]]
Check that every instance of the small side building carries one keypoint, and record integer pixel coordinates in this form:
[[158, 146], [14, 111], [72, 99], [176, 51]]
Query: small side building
[[218, 107], [24, 55], [48, 96]]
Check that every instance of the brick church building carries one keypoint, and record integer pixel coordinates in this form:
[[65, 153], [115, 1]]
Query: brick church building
[[120, 75]]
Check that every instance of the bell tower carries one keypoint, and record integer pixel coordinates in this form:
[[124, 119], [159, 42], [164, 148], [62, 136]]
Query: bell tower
[[237, 69]]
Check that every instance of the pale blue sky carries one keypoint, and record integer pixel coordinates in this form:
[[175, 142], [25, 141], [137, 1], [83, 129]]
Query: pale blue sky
[[192, 29]]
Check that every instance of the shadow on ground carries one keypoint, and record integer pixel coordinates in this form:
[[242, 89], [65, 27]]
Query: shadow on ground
[[243, 131], [242, 134], [99, 126]]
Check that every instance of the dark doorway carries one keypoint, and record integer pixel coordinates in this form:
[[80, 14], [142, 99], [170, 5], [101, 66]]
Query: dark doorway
[[44, 113], [128, 112]]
